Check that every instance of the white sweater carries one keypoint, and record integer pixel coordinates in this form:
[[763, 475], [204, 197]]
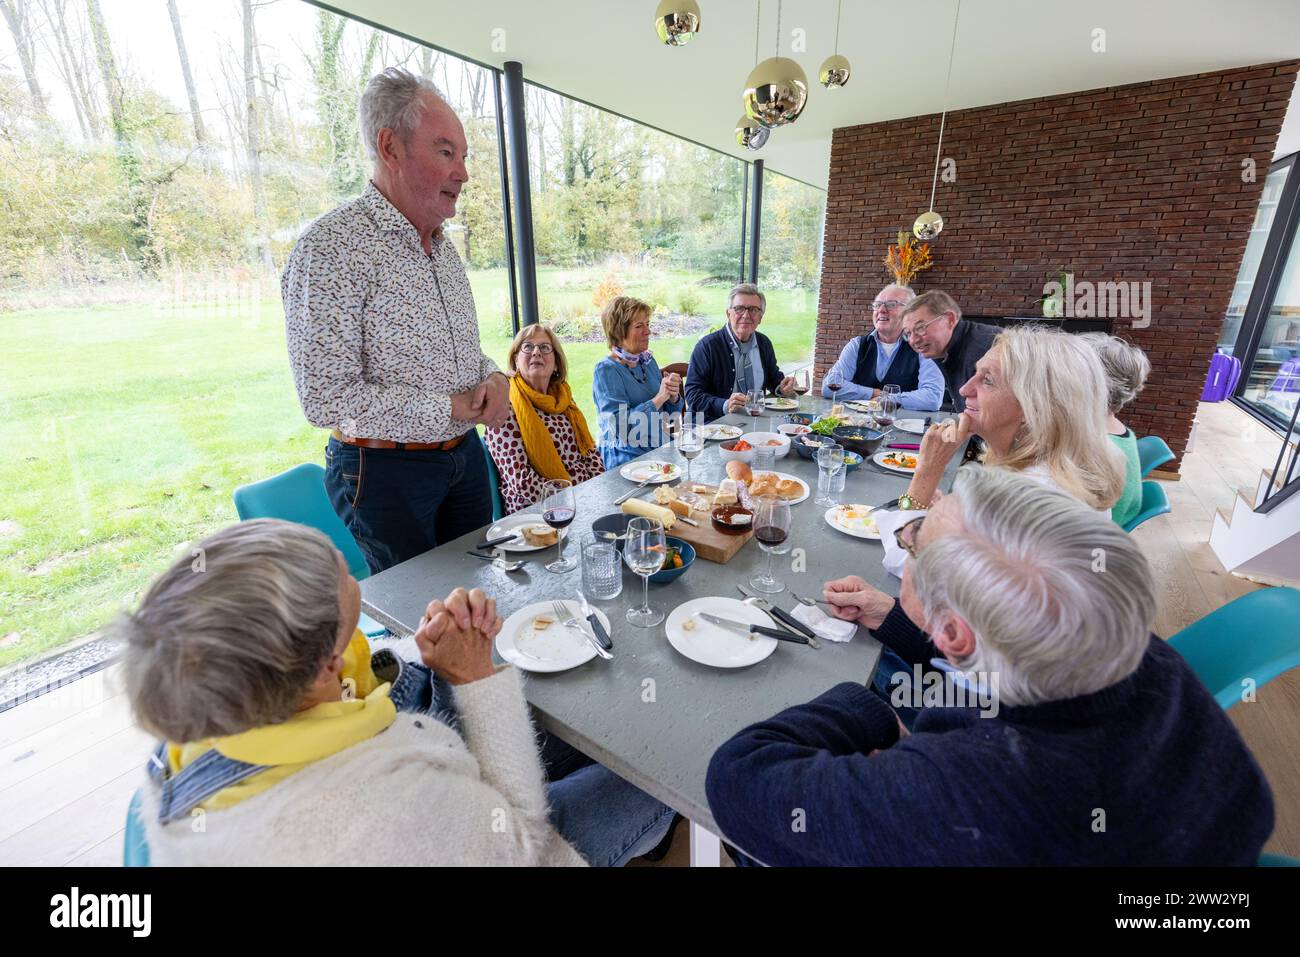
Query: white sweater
[[415, 794]]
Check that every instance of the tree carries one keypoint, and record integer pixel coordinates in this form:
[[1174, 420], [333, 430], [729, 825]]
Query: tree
[[253, 132], [17, 14], [72, 64], [200, 134]]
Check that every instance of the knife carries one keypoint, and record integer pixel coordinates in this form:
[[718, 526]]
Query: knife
[[602, 635], [746, 628], [497, 541], [640, 488], [780, 614]]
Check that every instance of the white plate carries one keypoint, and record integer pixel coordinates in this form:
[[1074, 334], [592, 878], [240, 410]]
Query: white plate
[[721, 433], [833, 516], [781, 404], [879, 459], [650, 471], [555, 649], [511, 523], [862, 406], [714, 645], [915, 426], [782, 476]]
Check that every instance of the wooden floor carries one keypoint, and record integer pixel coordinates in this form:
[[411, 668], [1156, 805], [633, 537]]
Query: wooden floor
[[70, 760]]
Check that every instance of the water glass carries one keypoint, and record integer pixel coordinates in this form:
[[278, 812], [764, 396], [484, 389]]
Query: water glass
[[764, 458], [602, 571], [830, 462], [644, 551]]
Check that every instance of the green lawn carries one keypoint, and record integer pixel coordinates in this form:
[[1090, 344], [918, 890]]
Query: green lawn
[[130, 426]]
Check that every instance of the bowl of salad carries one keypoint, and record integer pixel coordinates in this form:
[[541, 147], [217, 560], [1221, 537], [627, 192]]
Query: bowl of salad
[[681, 555]]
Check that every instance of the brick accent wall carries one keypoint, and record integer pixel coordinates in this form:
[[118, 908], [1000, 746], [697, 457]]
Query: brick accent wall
[[1132, 183]]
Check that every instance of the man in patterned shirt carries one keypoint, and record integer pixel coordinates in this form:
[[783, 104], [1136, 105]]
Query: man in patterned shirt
[[383, 337]]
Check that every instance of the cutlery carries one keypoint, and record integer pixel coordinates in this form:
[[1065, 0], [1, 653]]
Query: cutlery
[[568, 621], [601, 634], [926, 424], [640, 488], [780, 614], [812, 602], [492, 542], [746, 628], [892, 501], [499, 562]]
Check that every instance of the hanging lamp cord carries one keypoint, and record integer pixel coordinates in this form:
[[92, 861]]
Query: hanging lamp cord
[[839, 12], [944, 116]]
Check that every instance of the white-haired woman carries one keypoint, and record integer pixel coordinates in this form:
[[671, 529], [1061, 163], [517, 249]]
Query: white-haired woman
[[1038, 399], [297, 746], [1069, 735], [1126, 367]]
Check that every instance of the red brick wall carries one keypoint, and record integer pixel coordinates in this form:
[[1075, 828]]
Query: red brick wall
[[1132, 183]]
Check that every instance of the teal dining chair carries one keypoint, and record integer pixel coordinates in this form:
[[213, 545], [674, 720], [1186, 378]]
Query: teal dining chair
[[298, 495], [1277, 860], [1253, 637], [1153, 452], [135, 848], [1154, 502], [494, 483]]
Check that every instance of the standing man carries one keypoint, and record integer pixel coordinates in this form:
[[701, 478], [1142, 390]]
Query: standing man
[[933, 326], [880, 358], [383, 337], [734, 360]]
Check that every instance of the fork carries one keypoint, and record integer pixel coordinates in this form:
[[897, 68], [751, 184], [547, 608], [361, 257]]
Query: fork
[[572, 622]]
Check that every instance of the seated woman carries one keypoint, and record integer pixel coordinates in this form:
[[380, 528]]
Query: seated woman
[[1126, 367], [1066, 716], [1038, 399], [296, 746], [632, 396], [545, 436]]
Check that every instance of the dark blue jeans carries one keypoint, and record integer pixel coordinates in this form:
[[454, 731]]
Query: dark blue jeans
[[399, 504]]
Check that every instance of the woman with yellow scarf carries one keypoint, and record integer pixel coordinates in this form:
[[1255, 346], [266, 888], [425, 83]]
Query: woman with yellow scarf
[[545, 438]]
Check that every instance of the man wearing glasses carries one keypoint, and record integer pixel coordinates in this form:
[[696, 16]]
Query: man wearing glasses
[[933, 326], [734, 360], [880, 358]]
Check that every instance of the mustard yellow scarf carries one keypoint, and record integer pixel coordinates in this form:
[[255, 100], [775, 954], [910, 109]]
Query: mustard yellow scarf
[[539, 446]]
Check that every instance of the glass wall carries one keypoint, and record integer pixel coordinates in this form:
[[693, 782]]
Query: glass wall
[[1250, 260], [789, 264], [1272, 380]]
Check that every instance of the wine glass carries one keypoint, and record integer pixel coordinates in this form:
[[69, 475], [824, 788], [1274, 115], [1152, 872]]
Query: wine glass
[[558, 511], [754, 405], [690, 443], [644, 551], [830, 459], [772, 531], [888, 410], [803, 383], [834, 382]]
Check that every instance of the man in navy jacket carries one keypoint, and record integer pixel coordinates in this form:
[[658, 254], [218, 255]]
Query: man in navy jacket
[[1068, 734], [733, 360]]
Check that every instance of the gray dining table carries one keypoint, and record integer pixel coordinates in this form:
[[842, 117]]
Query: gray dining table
[[650, 714]]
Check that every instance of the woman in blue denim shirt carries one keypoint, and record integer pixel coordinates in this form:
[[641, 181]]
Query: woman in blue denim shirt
[[631, 394]]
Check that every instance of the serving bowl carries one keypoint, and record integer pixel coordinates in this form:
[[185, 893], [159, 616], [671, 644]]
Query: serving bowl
[[727, 451], [721, 512], [858, 439], [666, 575], [808, 451], [782, 447], [612, 528]]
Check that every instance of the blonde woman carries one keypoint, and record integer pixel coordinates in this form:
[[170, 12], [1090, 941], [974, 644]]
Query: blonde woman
[[1038, 398], [1126, 367], [545, 437], [632, 395]]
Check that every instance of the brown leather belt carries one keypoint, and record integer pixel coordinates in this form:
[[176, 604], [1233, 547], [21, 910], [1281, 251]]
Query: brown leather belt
[[404, 446]]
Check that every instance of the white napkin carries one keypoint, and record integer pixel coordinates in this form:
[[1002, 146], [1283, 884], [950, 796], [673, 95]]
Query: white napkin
[[822, 624], [895, 558]]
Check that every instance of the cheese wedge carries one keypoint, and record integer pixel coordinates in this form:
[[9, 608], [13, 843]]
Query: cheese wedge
[[636, 506], [727, 493]]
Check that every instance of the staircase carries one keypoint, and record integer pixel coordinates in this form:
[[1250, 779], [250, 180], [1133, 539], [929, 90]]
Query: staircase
[[1260, 538]]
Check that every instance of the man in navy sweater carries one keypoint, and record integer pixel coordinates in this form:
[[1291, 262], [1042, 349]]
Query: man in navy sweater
[[734, 360], [1090, 741]]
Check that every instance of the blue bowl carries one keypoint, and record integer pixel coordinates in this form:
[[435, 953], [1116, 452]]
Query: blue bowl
[[612, 526], [851, 461], [807, 451], [667, 575]]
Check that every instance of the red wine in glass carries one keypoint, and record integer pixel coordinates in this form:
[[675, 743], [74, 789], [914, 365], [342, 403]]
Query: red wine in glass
[[771, 536], [834, 387], [559, 518], [800, 388]]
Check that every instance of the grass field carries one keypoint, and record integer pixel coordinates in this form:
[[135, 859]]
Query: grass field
[[130, 426]]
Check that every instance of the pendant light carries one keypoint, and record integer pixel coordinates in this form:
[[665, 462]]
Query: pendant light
[[776, 91], [929, 224], [677, 21], [750, 133], [835, 71]]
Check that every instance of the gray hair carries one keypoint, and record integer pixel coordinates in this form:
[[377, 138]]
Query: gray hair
[[936, 301], [233, 637], [746, 289], [1126, 367], [393, 100], [911, 293], [1060, 599]]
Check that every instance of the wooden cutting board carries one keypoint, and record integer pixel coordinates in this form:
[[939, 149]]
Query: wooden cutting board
[[710, 544]]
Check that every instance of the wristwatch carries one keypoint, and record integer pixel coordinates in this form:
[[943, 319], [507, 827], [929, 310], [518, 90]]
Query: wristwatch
[[908, 504]]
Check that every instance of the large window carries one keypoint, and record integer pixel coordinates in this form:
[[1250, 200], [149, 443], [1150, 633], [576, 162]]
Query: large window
[[1251, 258], [789, 264], [154, 176]]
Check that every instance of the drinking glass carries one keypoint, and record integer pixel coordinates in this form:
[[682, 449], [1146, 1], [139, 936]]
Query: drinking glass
[[644, 551], [602, 573], [754, 404], [893, 392], [830, 460], [803, 385], [834, 382], [888, 411], [772, 531], [690, 443], [558, 511]]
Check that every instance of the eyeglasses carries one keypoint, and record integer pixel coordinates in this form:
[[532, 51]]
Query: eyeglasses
[[919, 329], [751, 310], [541, 348], [889, 305], [907, 533]]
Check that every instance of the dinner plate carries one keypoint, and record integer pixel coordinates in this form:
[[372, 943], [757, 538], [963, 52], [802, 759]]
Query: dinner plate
[[863, 406], [915, 426], [555, 648], [835, 514], [513, 523], [879, 459], [652, 471], [721, 432], [781, 477], [715, 645], [780, 403]]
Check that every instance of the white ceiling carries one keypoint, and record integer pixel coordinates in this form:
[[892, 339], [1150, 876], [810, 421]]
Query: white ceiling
[[606, 52]]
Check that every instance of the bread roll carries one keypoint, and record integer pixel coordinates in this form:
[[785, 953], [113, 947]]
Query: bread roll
[[636, 506], [540, 535], [788, 489], [739, 471]]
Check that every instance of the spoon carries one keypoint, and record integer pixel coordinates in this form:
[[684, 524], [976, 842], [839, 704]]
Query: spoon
[[499, 562], [810, 601]]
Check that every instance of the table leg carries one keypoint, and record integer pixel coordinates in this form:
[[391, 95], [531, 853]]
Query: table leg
[[706, 847]]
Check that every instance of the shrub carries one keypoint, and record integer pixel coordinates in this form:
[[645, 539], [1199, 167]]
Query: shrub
[[610, 288], [689, 301]]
